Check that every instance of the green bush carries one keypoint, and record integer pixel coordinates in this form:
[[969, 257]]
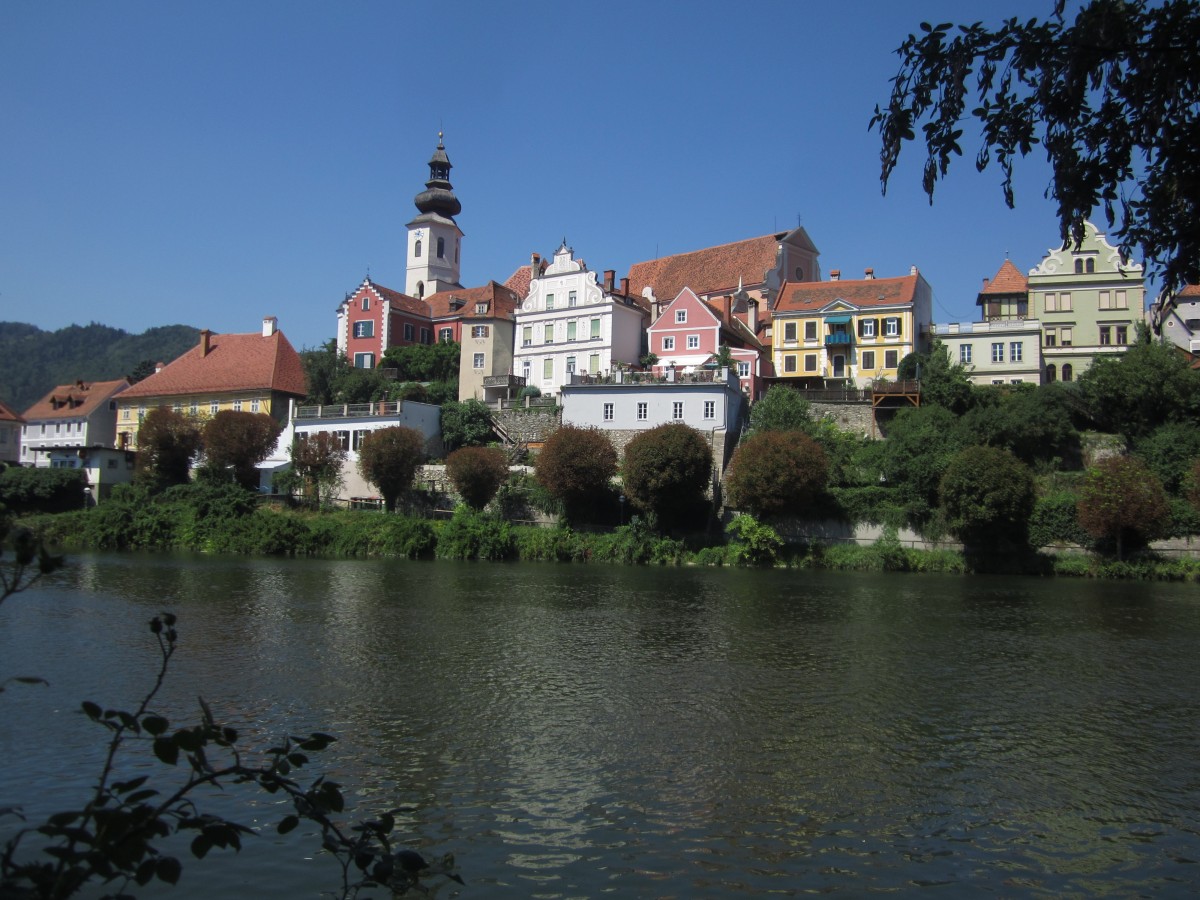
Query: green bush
[[1054, 521], [754, 544], [551, 545], [27, 490], [473, 535]]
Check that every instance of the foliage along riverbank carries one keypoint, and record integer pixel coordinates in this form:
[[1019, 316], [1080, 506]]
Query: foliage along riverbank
[[225, 519]]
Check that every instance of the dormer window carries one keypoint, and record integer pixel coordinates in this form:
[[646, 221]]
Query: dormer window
[[481, 309]]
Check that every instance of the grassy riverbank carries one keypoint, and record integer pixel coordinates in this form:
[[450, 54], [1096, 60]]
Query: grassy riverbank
[[221, 519]]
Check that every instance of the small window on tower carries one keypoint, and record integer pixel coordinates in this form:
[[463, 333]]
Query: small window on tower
[[441, 248], [417, 249]]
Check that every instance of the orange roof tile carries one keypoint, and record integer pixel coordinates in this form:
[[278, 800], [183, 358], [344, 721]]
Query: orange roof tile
[[1007, 280], [7, 415], [396, 299], [75, 401], [497, 296], [234, 362], [810, 296], [707, 271], [519, 281]]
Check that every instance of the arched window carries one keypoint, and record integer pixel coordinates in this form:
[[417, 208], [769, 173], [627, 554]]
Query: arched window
[[1067, 372], [1051, 372], [417, 249], [1078, 266], [420, 289], [1091, 266], [441, 248]]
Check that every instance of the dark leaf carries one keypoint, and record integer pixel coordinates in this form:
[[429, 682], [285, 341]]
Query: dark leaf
[[288, 823], [166, 750]]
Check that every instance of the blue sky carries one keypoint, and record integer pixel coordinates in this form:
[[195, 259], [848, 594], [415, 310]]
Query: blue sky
[[209, 163]]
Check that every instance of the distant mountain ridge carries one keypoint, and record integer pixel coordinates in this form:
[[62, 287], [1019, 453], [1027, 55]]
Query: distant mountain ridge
[[33, 361]]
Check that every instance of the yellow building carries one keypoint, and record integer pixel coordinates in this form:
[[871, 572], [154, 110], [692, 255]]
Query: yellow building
[[836, 332], [258, 373]]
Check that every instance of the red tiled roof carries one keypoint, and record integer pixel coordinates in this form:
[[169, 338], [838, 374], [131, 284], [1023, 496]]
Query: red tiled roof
[[810, 296], [1189, 290], [707, 271], [235, 362], [733, 328], [500, 299], [7, 415], [398, 300], [1008, 280], [75, 401], [518, 282]]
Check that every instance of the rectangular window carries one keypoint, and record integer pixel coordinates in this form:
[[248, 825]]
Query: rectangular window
[[1015, 354], [1122, 301], [570, 365], [1122, 334], [445, 335], [868, 360], [1065, 337], [479, 331], [548, 337], [549, 301], [997, 353], [743, 369], [1051, 302], [810, 331], [547, 368], [594, 363], [891, 359], [194, 409], [964, 354], [357, 437], [677, 409], [789, 331], [868, 328], [1105, 300], [426, 336], [177, 407], [595, 329], [643, 411], [1064, 302], [891, 327], [364, 329], [571, 330], [124, 417], [789, 363], [668, 343], [112, 464], [810, 362], [693, 341], [680, 316], [1051, 337], [572, 298], [481, 308], [214, 408], [710, 409], [1105, 335], [237, 405], [608, 412], [254, 405], [526, 335], [408, 332], [364, 360], [478, 360]]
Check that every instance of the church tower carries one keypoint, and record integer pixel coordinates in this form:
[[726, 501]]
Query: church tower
[[434, 238]]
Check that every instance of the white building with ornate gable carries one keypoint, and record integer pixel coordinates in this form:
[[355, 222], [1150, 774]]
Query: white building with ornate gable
[[570, 323]]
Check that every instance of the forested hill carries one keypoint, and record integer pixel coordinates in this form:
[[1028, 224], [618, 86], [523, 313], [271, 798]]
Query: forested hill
[[33, 361]]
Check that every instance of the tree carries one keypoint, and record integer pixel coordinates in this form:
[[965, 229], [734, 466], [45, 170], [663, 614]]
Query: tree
[[776, 472], [1034, 422], [943, 382], [1169, 452], [666, 472], [575, 466], [424, 362], [1111, 96], [239, 441], [389, 459], [25, 489], [1147, 386], [988, 496], [781, 408], [466, 424], [144, 369], [317, 461], [167, 442], [477, 473], [920, 444], [1122, 502]]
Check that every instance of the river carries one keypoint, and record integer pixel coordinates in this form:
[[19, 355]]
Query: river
[[573, 731]]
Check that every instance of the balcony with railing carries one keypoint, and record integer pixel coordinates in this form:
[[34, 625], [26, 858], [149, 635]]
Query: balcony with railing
[[838, 339]]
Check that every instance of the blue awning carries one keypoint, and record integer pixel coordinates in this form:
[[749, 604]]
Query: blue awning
[[838, 320]]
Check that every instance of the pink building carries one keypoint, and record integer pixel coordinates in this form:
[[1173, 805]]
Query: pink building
[[690, 332]]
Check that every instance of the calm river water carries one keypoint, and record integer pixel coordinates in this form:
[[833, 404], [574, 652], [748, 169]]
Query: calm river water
[[574, 731]]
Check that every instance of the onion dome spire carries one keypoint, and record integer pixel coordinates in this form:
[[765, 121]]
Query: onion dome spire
[[438, 197]]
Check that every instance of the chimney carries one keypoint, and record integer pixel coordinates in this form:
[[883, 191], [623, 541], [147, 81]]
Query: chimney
[[610, 276], [159, 366], [912, 270], [835, 274], [205, 337], [269, 325], [985, 279], [727, 309], [868, 273], [752, 315], [625, 286], [535, 260]]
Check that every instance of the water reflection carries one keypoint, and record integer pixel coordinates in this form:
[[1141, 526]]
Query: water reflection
[[570, 731]]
